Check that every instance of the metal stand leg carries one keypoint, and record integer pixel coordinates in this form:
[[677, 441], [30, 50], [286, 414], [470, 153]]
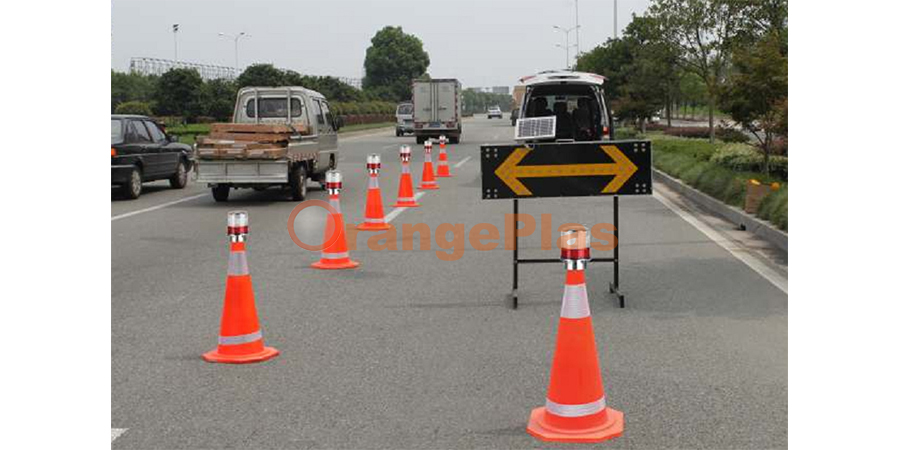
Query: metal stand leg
[[515, 285], [614, 286]]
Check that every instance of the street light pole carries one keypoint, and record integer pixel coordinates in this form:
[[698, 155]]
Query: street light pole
[[615, 19], [236, 38], [577, 32], [566, 31], [175, 35]]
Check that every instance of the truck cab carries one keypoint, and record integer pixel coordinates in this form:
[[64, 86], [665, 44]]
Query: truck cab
[[573, 102]]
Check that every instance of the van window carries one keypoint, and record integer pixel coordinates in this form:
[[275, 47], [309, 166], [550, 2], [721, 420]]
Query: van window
[[405, 108], [274, 107], [579, 114], [155, 133], [117, 133], [327, 113], [317, 111]]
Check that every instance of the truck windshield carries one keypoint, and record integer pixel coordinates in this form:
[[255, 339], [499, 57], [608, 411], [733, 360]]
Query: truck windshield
[[274, 107], [405, 109], [117, 134]]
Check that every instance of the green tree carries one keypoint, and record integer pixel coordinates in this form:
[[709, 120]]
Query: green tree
[[262, 75], [703, 33], [392, 61], [127, 87], [218, 99], [758, 89], [178, 93]]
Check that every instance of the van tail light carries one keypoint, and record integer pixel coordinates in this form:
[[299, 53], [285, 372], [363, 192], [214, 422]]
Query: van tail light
[[606, 132], [113, 152], [451, 124]]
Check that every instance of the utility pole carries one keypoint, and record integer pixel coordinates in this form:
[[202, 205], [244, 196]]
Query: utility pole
[[175, 35]]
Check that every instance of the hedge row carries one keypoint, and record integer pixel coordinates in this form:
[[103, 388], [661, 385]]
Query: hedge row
[[692, 161], [725, 134], [745, 158], [375, 107]]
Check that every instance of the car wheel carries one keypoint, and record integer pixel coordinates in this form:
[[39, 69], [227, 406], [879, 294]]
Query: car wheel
[[420, 140], [298, 183], [220, 192], [398, 133], [132, 189], [180, 179]]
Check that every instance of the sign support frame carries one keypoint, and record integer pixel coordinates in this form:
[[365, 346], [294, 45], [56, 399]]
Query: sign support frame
[[613, 285]]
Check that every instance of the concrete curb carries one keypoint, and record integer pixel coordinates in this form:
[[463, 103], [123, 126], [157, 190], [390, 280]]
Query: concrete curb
[[734, 215]]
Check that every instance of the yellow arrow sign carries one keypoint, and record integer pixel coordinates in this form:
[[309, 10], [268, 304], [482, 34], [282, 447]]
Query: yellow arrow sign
[[510, 171]]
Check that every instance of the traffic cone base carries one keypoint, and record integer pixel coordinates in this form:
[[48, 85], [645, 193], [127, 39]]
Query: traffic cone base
[[541, 426], [325, 264], [216, 357], [367, 226]]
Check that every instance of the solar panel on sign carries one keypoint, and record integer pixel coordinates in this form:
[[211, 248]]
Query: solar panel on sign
[[536, 128]]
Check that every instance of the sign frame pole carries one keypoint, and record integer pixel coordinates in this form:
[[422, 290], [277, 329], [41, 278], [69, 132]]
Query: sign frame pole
[[613, 285]]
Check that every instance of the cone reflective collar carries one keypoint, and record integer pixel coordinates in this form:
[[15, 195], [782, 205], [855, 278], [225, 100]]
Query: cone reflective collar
[[405, 197], [336, 256], [443, 170], [240, 337], [575, 407], [428, 181], [374, 210]]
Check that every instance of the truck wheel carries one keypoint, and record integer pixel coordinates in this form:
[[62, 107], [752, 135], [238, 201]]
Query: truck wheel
[[398, 132], [298, 183], [132, 189], [220, 192], [180, 179], [420, 140]]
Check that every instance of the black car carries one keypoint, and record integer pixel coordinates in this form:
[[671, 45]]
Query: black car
[[142, 151]]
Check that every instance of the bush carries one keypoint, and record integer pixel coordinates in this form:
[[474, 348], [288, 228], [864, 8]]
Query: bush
[[134, 107], [774, 207], [626, 133], [731, 135], [745, 158]]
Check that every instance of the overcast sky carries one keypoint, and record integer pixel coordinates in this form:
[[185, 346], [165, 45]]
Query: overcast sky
[[483, 43]]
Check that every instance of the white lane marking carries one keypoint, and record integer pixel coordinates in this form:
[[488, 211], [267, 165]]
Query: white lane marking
[[457, 165], [751, 261], [396, 211], [390, 146], [116, 432], [154, 208]]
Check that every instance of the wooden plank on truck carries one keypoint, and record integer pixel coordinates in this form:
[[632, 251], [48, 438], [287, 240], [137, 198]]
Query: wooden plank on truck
[[255, 137], [250, 128]]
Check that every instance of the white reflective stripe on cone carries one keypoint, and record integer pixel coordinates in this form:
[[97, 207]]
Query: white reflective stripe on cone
[[373, 182], [241, 339], [405, 199], [575, 302], [237, 263], [335, 255], [582, 410], [336, 204], [368, 220]]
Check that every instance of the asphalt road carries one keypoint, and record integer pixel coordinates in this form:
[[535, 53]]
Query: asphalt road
[[410, 351]]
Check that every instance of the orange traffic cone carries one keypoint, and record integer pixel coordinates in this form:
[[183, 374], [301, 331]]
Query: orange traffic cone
[[575, 410], [443, 167], [336, 256], [406, 197], [428, 181], [374, 210], [240, 336]]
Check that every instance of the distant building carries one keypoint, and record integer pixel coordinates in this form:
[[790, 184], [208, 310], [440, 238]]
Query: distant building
[[500, 90]]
